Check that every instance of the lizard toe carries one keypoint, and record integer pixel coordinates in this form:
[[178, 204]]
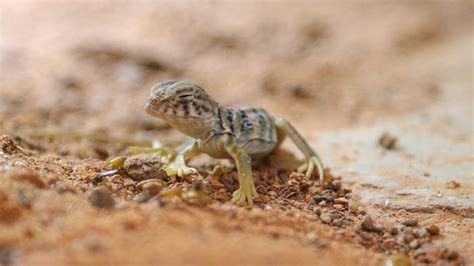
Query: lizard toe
[[302, 168]]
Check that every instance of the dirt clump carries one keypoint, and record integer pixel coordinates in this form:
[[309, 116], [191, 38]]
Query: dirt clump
[[101, 198]]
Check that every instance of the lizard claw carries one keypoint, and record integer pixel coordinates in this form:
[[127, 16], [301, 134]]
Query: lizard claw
[[179, 169], [245, 193], [309, 168]]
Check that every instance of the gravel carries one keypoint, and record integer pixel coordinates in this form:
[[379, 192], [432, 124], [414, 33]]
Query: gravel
[[410, 222]]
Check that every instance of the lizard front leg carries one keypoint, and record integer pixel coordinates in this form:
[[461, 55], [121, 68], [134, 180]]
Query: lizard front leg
[[178, 168], [286, 129], [246, 191]]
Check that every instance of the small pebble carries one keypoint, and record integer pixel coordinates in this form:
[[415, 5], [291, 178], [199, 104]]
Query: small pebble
[[311, 236], [317, 210], [346, 222], [433, 230], [410, 222], [367, 224], [335, 185], [101, 198], [417, 233], [319, 198], [389, 244], [338, 206], [452, 255], [387, 141], [366, 236], [272, 193], [394, 231], [414, 244], [337, 222], [23, 199], [453, 185], [341, 201], [408, 238], [325, 218]]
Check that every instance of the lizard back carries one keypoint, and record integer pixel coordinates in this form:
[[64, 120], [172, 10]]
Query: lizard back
[[252, 128]]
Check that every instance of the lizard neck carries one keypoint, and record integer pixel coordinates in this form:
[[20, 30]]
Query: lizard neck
[[196, 127]]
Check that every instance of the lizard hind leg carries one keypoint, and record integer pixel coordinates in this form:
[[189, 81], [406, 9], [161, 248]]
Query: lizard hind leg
[[313, 160]]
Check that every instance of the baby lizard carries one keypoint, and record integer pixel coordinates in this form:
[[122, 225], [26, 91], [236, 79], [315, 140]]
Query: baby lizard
[[242, 134]]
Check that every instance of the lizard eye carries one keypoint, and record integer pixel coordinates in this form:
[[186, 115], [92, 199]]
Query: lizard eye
[[185, 96]]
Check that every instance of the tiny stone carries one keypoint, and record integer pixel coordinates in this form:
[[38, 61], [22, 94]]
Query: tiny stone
[[272, 193], [365, 235], [387, 141], [357, 227], [101, 198], [341, 201], [338, 206], [152, 188], [317, 210], [422, 232], [433, 230], [416, 233], [388, 244], [325, 218], [408, 230], [299, 92], [337, 222], [327, 198], [311, 236], [410, 222], [143, 197], [367, 224], [335, 185], [452, 255], [322, 203], [23, 199], [414, 244], [408, 238], [453, 185], [394, 231]]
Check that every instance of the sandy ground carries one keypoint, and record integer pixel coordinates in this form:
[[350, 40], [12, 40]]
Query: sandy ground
[[344, 73]]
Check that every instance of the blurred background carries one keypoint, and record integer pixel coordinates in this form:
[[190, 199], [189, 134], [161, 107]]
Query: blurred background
[[89, 65], [342, 72]]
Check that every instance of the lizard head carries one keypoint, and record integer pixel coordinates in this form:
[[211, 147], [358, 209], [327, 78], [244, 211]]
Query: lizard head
[[185, 106]]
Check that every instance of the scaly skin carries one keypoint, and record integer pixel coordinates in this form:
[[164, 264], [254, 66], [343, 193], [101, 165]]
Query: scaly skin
[[240, 134]]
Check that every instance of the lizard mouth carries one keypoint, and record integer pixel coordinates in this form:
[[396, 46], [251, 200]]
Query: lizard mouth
[[151, 109]]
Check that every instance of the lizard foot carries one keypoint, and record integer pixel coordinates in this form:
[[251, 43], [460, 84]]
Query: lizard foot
[[309, 168], [179, 169], [246, 192]]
